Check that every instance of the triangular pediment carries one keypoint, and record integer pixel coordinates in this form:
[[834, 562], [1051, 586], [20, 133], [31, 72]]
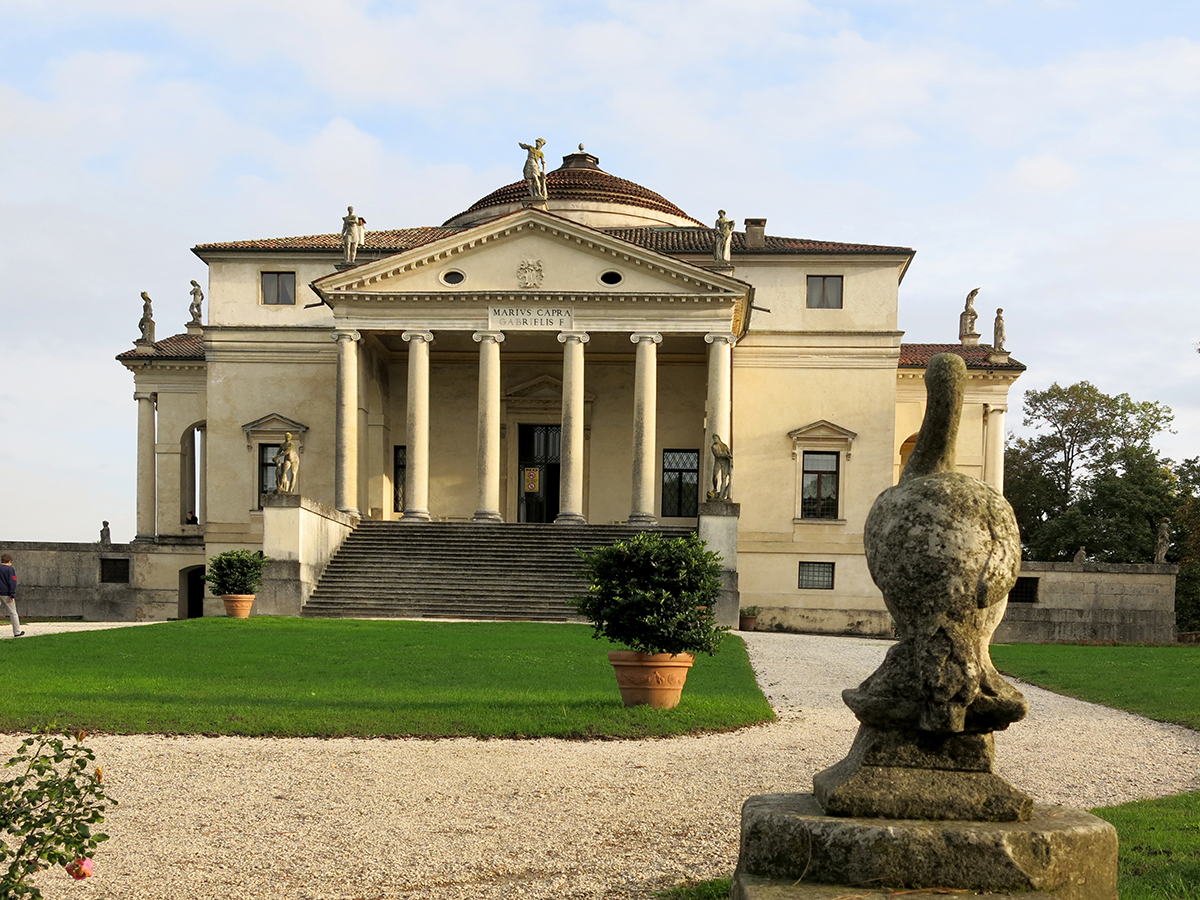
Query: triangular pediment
[[544, 387], [530, 250], [275, 422], [822, 435]]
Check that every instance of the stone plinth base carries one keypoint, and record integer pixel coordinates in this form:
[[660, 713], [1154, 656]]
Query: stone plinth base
[[749, 888], [1063, 853], [719, 530]]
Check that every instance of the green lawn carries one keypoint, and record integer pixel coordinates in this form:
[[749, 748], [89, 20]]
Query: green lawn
[[332, 678], [1159, 682]]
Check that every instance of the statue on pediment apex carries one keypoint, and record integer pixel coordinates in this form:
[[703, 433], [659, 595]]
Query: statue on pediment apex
[[535, 170], [146, 323], [354, 234], [999, 336]]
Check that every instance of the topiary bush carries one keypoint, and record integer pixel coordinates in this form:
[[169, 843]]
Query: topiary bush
[[654, 594], [236, 572]]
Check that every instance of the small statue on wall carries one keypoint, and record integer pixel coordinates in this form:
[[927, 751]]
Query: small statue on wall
[[998, 334], [146, 323], [287, 463], [105, 534], [722, 476], [723, 238], [1164, 541], [354, 234], [1080, 556], [966, 319], [197, 302], [535, 170]]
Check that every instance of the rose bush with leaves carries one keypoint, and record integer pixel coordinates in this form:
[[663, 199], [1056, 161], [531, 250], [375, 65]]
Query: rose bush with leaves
[[47, 811]]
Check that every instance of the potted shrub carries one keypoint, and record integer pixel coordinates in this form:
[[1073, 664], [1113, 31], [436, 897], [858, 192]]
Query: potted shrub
[[656, 596], [747, 618], [236, 575]]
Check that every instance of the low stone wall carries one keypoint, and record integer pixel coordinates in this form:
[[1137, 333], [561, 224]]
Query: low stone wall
[[300, 536], [1092, 602]]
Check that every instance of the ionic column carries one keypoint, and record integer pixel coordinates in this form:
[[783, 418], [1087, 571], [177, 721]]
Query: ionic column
[[645, 421], [993, 454], [570, 493], [719, 408], [345, 456], [146, 477], [487, 467], [416, 480]]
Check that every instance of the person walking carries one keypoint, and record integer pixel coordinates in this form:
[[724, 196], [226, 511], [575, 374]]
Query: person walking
[[8, 592]]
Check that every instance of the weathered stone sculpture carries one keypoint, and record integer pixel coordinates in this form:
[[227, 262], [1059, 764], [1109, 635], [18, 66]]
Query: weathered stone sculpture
[[535, 171], [146, 323], [105, 534], [915, 803], [197, 302], [1080, 556], [998, 335], [945, 551], [287, 464], [966, 319], [722, 476], [354, 234], [723, 238], [1164, 541]]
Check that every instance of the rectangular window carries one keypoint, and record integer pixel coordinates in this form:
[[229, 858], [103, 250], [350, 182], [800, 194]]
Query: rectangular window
[[680, 483], [819, 499], [266, 469], [399, 473], [824, 291], [114, 571], [279, 288], [816, 576], [1024, 591]]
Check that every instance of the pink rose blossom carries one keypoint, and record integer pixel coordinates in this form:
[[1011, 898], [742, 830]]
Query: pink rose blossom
[[80, 869]]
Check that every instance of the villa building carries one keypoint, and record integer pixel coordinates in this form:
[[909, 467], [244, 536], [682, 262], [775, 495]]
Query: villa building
[[558, 359]]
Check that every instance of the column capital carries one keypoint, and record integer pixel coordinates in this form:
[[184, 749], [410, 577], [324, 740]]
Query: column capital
[[727, 336], [345, 336], [581, 337], [480, 336], [639, 336], [145, 395], [419, 336]]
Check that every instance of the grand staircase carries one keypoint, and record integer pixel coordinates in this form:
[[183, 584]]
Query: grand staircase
[[460, 570]]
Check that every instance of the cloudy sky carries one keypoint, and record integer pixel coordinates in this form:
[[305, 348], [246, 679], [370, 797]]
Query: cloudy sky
[[1043, 150]]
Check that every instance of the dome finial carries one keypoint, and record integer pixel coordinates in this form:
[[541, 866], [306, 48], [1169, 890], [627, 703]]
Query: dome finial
[[581, 147]]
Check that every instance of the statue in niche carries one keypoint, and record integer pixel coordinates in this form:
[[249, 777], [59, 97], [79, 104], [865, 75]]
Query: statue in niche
[[998, 336], [723, 237], [146, 323], [1164, 541], [197, 301], [966, 319], [354, 234], [105, 534], [722, 476], [535, 170], [287, 462]]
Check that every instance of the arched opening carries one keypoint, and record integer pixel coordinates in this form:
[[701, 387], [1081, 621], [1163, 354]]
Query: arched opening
[[191, 592], [191, 475]]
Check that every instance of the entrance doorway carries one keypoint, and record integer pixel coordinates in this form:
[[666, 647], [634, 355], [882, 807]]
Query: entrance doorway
[[191, 592], [538, 451]]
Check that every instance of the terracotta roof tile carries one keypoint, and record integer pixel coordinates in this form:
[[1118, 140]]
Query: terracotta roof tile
[[394, 241], [177, 346], [700, 240], [917, 356]]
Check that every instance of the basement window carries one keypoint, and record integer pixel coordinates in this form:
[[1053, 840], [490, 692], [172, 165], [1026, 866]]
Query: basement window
[[114, 571], [816, 576], [1024, 591]]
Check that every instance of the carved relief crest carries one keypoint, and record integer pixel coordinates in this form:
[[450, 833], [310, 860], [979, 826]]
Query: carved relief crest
[[529, 273]]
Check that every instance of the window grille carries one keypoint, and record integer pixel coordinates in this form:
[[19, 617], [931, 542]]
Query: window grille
[[680, 483], [399, 476], [816, 576], [114, 571], [1024, 591]]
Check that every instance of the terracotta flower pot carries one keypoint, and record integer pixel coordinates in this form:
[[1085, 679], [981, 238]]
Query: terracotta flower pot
[[237, 606], [651, 679], [747, 623]]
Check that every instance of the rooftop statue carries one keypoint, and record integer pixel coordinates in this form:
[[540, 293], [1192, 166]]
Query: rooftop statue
[[354, 234], [146, 323], [998, 335], [1164, 541], [723, 237], [966, 319], [722, 476], [535, 170], [197, 301], [287, 464]]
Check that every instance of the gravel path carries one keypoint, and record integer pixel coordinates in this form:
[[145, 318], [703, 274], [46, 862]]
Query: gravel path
[[307, 818]]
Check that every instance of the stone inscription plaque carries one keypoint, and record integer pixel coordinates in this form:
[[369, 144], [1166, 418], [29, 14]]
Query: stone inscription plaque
[[530, 318]]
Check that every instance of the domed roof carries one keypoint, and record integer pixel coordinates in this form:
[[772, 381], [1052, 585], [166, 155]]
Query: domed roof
[[579, 189]]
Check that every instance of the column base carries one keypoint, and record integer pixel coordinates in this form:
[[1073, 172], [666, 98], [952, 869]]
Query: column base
[[350, 511], [641, 520], [487, 516], [416, 515], [569, 518]]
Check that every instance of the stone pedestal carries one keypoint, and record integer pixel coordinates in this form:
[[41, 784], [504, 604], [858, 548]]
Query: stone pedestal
[[719, 531], [791, 850]]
